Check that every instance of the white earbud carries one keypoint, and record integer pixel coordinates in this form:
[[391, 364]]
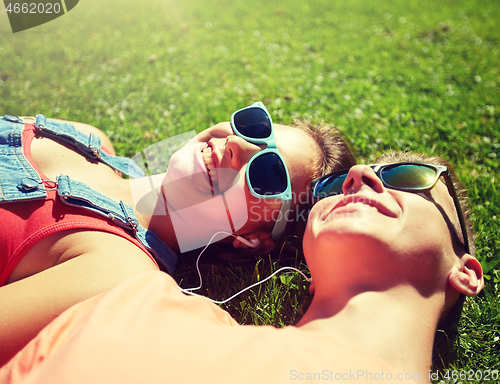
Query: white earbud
[[252, 243]]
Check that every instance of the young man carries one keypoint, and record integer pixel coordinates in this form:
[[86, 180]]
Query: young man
[[388, 254]]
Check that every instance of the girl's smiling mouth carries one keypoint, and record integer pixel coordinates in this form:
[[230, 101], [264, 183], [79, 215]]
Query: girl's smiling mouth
[[210, 165]]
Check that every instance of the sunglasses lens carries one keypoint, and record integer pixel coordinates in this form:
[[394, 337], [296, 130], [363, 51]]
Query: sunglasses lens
[[409, 176], [267, 175], [253, 123], [330, 186]]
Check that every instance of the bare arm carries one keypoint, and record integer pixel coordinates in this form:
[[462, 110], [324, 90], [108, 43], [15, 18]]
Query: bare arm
[[30, 304]]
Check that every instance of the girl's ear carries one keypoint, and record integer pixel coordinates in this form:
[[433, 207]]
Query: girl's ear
[[467, 277], [266, 243]]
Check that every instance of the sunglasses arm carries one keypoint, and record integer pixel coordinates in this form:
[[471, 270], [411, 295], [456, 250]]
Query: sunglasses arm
[[458, 208], [282, 220]]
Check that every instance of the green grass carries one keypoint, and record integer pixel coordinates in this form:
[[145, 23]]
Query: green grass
[[419, 75]]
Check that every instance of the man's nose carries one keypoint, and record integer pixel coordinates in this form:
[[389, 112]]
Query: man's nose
[[359, 176]]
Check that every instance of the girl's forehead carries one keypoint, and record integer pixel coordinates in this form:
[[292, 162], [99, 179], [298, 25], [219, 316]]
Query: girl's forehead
[[301, 155]]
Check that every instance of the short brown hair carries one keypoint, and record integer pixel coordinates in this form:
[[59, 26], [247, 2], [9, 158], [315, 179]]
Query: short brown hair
[[335, 147]]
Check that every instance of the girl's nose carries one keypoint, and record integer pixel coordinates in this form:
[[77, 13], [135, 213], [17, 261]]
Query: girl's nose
[[236, 151]]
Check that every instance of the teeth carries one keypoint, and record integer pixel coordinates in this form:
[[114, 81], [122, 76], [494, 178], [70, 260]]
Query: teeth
[[207, 157], [206, 153]]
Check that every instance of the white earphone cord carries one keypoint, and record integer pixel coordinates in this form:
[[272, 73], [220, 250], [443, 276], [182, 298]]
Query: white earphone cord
[[189, 291]]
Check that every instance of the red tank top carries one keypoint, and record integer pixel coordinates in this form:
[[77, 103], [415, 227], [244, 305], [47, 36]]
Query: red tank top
[[24, 223]]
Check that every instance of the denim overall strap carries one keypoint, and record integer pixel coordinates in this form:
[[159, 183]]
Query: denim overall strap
[[19, 181], [17, 175], [88, 145], [78, 194]]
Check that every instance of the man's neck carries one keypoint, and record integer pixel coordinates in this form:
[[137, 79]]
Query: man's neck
[[397, 324]]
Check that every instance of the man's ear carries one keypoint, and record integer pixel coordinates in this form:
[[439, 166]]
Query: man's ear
[[467, 277], [265, 246]]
